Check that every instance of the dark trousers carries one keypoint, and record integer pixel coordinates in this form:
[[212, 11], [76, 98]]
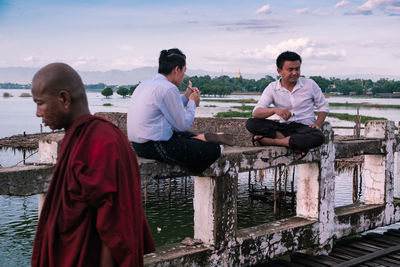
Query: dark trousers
[[190, 153], [302, 137]]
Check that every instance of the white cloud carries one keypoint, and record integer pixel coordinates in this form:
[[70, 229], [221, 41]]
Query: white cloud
[[304, 46], [388, 6], [342, 3], [80, 61], [263, 10], [302, 10]]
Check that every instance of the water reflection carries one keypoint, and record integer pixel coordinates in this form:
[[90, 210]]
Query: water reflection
[[18, 222]]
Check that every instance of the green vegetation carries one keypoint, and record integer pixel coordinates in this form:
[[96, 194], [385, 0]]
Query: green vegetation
[[341, 116], [367, 105], [6, 94], [97, 86], [242, 101], [14, 86], [107, 104], [349, 117], [233, 114], [122, 91], [210, 106], [244, 107], [225, 85], [107, 92], [132, 88]]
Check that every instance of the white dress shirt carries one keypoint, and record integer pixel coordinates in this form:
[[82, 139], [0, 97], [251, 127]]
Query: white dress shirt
[[156, 110], [300, 101]]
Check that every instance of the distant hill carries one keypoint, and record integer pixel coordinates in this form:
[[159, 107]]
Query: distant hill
[[24, 75], [120, 77]]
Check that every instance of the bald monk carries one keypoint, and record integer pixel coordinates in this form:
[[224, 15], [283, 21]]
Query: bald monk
[[92, 214]]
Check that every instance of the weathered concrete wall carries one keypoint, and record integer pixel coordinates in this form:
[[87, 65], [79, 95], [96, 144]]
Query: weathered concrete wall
[[200, 125], [317, 222]]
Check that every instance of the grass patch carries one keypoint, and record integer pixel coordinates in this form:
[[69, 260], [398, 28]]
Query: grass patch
[[367, 105], [349, 117], [243, 101], [233, 114], [107, 104], [210, 106], [244, 107]]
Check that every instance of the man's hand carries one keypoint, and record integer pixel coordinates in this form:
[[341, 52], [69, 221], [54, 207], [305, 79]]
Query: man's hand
[[316, 126], [190, 90], [284, 113], [195, 96]]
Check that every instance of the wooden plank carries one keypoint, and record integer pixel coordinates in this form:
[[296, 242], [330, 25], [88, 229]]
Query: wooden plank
[[352, 251], [365, 246], [315, 260], [289, 264], [341, 256], [307, 263], [385, 263], [370, 257], [391, 260], [379, 242]]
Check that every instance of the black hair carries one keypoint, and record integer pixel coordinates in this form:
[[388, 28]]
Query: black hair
[[287, 56], [169, 59]]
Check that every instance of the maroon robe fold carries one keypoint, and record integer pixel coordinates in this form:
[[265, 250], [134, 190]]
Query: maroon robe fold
[[94, 197]]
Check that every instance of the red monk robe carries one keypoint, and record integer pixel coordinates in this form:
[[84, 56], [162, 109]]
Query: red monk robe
[[94, 197]]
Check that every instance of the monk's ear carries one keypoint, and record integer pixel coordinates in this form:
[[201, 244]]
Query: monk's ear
[[64, 98]]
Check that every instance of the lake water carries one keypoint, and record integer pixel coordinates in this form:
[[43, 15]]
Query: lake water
[[170, 215]]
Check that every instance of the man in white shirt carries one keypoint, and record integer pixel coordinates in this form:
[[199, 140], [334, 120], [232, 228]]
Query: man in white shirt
[[159, 119], [293, 98]]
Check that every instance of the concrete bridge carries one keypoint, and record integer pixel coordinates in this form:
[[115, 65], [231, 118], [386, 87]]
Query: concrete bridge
[[316, 224]]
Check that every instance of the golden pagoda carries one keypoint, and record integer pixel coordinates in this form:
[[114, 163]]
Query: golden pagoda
[[239, 75]]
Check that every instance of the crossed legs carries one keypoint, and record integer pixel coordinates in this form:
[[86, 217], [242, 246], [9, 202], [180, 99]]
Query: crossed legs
[[296, 136]]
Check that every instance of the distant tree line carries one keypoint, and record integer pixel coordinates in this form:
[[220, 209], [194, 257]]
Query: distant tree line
[[14, 86], [121, 90], [356, 86], [225, 85]]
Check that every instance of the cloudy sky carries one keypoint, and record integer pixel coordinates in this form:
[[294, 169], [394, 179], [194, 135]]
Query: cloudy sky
[[334, 37]]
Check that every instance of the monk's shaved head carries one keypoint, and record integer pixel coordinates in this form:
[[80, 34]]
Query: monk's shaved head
[[58, 91], [59, 76]]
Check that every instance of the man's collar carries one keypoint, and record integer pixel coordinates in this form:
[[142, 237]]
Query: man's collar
[[298, 85]]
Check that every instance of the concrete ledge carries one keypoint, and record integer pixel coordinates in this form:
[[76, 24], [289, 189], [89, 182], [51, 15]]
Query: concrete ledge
[[266, 241], [178, 255], [30, 180], [358, 218], [348, 148], [25, 180]]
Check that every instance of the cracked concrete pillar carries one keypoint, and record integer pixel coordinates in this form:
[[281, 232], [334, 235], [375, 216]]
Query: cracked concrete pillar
[[307, 190], [378, 170], [49, 147], [215, 209], [316, 192]]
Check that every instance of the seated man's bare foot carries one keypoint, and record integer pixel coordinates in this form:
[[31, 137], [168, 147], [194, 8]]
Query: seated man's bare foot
[[220, 138], [256, 140], [300, 154]]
